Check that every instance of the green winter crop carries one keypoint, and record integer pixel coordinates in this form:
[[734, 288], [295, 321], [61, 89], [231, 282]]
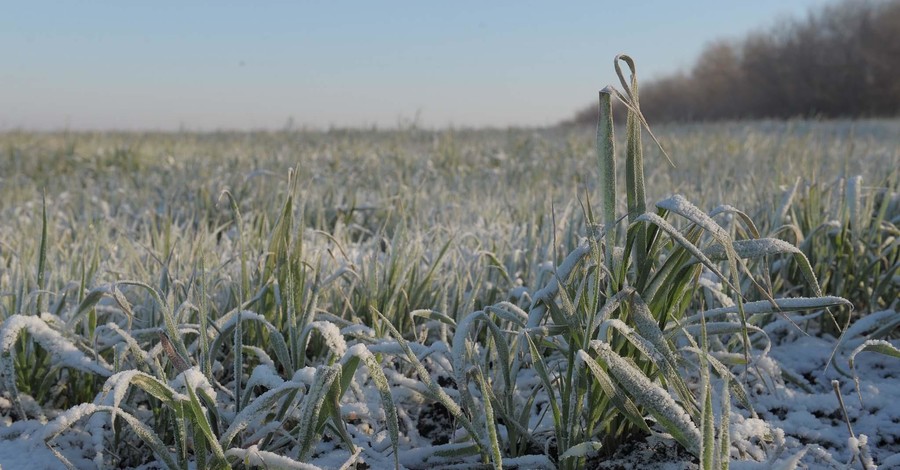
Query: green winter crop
[[418, 299]]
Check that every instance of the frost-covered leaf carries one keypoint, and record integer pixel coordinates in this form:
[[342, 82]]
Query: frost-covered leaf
[[194, 380], [387, 401], [875, 345], [69, 417], [433, 315], [684, 242], [781, 305], [62, 351], [549, 292], [311, 406], [653, 397], [254, 457], [681, 206], [789, 463], [329, 332], [760, 247], [225, 325], [256, 411], [871, 326], [582, 449], [87, 303]]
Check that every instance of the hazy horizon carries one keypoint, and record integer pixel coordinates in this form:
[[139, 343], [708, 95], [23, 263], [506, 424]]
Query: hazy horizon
[[211, 66]]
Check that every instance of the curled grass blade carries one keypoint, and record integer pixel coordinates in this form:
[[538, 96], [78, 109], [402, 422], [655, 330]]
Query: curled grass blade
[[329, 332], [634, 171], [629, 100], [874, 345]]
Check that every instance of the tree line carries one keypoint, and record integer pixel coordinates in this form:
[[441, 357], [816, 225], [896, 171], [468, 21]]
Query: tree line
[[841, 60]]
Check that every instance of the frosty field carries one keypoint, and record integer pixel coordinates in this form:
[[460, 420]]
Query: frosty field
[[452, 299]]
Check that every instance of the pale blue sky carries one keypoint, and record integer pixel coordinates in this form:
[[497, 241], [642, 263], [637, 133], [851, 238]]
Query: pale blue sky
[[243, 65]]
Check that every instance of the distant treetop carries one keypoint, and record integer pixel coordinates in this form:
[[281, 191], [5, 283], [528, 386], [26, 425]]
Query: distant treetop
[[842, 60]]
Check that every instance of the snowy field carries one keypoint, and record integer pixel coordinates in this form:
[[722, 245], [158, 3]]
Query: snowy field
[[464, 299]]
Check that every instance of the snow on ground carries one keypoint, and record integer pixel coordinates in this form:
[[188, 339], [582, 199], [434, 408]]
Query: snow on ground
[[20, 449], [795, 420], [19, 454], [814, 417]]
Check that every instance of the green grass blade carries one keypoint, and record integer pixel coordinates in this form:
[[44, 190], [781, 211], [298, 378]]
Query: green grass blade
[[606, 155], [256, 410], [725, 426], [651, 396], [42, 257], [387, 401], [192, 380], [707, 422], [489, 421], [312, 406], [169, 319], [540, 367], [243, 290], [434, 389], [634, 172], [618, 396], [229, 322], [203, 317], [684, 242]]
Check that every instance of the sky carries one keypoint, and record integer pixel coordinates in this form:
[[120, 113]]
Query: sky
[[228, 65]]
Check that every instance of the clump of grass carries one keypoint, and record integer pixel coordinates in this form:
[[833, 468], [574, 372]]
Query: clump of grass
[[616, 326], [849, 233]]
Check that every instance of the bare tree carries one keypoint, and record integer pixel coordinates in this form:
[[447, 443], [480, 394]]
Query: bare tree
[[840, 60]]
